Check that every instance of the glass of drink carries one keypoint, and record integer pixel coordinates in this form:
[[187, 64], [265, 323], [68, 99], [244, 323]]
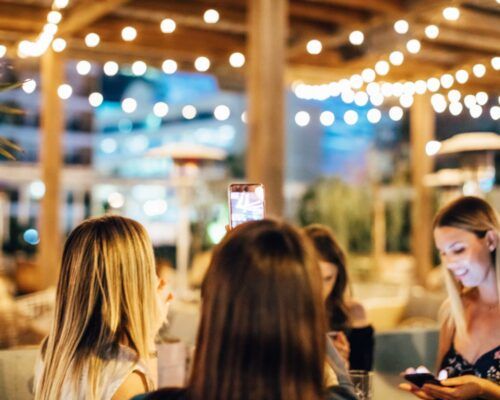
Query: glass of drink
[[363, 383]]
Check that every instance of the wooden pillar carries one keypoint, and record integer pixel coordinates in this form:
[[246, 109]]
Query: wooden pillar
[[51, 163], [422, 130], [265, 162]]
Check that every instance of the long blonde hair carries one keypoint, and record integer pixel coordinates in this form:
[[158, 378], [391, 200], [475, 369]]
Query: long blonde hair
[[474, 215], [105, 296]]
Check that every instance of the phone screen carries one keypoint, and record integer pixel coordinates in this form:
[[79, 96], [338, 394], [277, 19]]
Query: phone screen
[[420, 379], [246, 202]]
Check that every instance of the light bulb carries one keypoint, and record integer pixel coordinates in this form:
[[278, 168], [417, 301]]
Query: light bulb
[[374, 115], [462, 76], [413, 46], [129, 105], [432, 31], [139, 68], [356, 38], [58, 45], [54, 17], [95, 99], [368, 75], [83, 67], [211, 16], [222, 112], [382, 68], [64, 91], [169, 66], [168, 25], [451, 13], [396, 113], [447, 81], [401, 26], [396, 58], [351, 117], [237, 60], [314, 46], [129, 33], [92, 40], [110, 68], [302, 118], [189, 111], [160, 109], [479, 70], [326, 118], [202, 64]]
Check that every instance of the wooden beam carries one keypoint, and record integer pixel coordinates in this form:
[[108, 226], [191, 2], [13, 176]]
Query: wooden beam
[[265, 161], [325, 13], [379, 6], [51, 159], [85, 13], [422, 130]]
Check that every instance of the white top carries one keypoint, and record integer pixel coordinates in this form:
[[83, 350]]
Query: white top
[[113, 375]]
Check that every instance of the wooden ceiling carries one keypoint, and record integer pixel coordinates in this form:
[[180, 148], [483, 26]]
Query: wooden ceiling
[[473, 38]]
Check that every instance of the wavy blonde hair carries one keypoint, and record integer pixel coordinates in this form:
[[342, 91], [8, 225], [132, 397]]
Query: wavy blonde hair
[[106, 295], [474, 215]]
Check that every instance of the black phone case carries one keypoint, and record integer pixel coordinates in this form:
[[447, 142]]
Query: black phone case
[[421, 379]]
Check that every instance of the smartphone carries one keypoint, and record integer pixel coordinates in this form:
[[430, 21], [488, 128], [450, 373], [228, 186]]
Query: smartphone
[[246, 202], [420, 379]]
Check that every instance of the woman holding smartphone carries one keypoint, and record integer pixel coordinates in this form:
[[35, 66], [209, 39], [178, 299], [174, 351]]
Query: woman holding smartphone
[[466, 233], [350, 331]]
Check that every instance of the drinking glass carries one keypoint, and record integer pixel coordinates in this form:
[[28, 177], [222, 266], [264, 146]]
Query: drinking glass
[[363, 382]]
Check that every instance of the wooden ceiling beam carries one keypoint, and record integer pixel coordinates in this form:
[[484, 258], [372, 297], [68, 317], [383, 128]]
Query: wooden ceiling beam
[[326, 13], [378, 6]]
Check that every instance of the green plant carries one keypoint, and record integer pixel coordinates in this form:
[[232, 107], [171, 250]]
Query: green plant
[[7, 146]]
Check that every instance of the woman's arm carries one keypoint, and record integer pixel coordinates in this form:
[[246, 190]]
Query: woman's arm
[[464, 387]]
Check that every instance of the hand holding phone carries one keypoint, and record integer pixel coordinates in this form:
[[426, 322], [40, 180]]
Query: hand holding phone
[[246, 203], [420, 379]]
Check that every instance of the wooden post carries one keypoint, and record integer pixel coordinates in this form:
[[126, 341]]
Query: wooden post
[[51, 162], [422, 130], [265, 162]]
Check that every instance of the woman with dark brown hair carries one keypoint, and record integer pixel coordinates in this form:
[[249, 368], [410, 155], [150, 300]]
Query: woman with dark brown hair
[[262, 330], [352, 334]]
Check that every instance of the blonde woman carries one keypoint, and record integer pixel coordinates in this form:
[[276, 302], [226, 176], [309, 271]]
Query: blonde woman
[[466, 233], [109, 306]]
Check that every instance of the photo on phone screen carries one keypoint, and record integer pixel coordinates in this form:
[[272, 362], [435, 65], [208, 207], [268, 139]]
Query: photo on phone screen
[[246, 202]]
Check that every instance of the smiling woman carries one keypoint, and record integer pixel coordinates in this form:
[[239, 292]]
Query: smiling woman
[[466, 233]]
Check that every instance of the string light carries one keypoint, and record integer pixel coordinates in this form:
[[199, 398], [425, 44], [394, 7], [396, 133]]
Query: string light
[[432, 147], [401, 26], [432, 31], [454, 96], [347, 96], [211, 16], [29, 86], [50, 29], [361, 99], [470, 100], [64, 91], [60, 4], [160, 109], [479, 70], [327, 118], [168, 25], [368, 75], [244, 117], [377, 99], [396, 113], [462, 76], [111, 68], [374, 115], [433, 84], [382, 68], [396, 58], [3, 50], [95, 99], [202, 64], [302, 118], [356, 38], [169, 67], [189, 111], [83, 67], [413, 46], [447, 81], [438, 102], [58, 45], [495, 63], [420, 86], [129, 105], [129, 33], [351, 117], [356, 81], [139, 68], [495, 113], [222, 112], [92, 40], [481, 98], [406, 100], [451, 13], [476, 111], [54, 17], [455, 108], [237, 60], [314, 47]]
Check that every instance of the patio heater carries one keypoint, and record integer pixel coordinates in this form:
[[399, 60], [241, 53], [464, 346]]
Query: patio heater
[[187, 158], [477, 160]]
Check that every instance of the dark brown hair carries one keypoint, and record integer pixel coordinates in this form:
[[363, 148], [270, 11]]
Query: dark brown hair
[[261, 335], [329, 250]]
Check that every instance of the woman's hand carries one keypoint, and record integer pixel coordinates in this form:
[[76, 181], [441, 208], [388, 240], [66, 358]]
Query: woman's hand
[[463, 388], [163, 297], [408, 387], [342, 345]]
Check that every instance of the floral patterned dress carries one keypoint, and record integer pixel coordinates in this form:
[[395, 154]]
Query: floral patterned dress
[[487, 366]]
